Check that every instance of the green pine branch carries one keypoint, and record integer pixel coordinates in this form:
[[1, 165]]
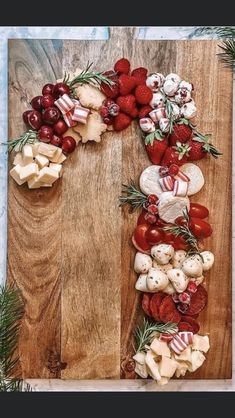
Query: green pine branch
[[11, 313]]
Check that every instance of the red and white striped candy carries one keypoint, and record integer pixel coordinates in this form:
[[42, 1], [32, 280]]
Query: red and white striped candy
[[180, 188], [157, 114], [147, 125], [177, 344], [187, 337], [64, 103], [166, 337], [181, 176], [68, 118], [167, 183], [80, 114]]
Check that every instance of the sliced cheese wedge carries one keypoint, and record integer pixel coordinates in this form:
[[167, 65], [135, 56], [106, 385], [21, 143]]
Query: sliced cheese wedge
[[182, 368], [140, 357], [197, 360], [167, 367], [41, 160], [15, 174], [28, 171], [27, 154], [141, 370], [152, 366], [186, 355], [201, 343], [160, 348], [48, 175]]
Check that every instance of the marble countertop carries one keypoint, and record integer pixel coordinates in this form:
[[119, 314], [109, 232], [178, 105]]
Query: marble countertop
[[159, 32]]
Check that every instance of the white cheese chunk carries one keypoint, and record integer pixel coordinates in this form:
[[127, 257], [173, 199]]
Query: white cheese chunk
[[141, 283], [35, 148], [163, 381], [170, 206], [160, 348], [56, 167], [41, 160], [27, 154], [33, 183], [141, 370], [167, 367], [61, 159], [18, 159], [56, 156], [47, 149], [185, 355], [197, 360], [201, 343], [140, 357], [28, 171], [152, 366], [48, 175], [15, 174], [182, 368]]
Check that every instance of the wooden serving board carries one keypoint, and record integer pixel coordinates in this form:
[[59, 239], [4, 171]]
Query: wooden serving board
[[69, 247]]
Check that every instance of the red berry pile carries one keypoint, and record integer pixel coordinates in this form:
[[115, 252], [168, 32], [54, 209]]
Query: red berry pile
[[47, 119]]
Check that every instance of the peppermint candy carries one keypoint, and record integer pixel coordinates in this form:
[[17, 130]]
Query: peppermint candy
[[64, 104], [147, 125], [187, 337], [167, 183], [68, 118], [180, 188], [177, 344], [166, 337], [157, 114], [80, 114], [181, 176]]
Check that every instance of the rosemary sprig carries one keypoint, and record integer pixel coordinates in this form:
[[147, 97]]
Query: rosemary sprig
[[132, 196], [88, 77], [145, 334], [207, 147], [185, 233], [17, 144], [228, 54], [169, 112]]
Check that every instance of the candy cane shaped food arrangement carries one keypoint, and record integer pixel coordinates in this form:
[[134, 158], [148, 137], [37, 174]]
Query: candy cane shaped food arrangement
[[169, 260]]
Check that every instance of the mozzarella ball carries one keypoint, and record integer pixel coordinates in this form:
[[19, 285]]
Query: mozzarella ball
[[143, 263], [178, 258], [162, 253], [178, 279], [208, 260], [156, 280], [192, 266]]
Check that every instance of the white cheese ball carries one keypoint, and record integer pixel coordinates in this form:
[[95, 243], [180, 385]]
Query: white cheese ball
[[170, 87], [141, 283], [178, 279], [192, 266], [158, 100], [169, 289], [182, 96], [156, 280], [174, 77], [189, 110], [155, 81], [178, 258], [186, 85], [208, 260], [162, 253], [143, 263]]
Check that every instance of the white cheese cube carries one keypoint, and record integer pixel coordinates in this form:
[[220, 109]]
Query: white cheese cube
[[41, 160], [56, 167], [181, 368], [33, 183], [201, 343], [167, 367], [28, 171], [35, 148], [18, 159], [56, 156], [47, 149], [27, 154], [61, 159], [141, 370], [47, 175], [152, 366], [15, 174], [140, 357], [185, 355], [197, 360], [160, 348]]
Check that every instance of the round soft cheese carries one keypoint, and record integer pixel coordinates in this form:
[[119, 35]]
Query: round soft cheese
[[149, 181], [196, 177], [170, 207]]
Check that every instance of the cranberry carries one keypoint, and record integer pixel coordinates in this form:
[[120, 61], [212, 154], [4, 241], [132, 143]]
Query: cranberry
[[47, 100], [173, 169], [45, 133], [153, 209], [104, 112], [175, 297], [47, 89], [163, 171], [60, 127], [192, 287], [59, 89], [68, 144], [150, 219], [35, 119], [108, 102], [51, 115], [56, 140], [184, 297], [26, 116], [36, 103], [182, 307], [152, 198]]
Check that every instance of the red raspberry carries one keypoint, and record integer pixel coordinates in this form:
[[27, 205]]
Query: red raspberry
[[140, 74], [153, 209], [192, 287], [104, 112], [173, 169], [152, 198], [144, 111], [185, 298], [110, 91], [143, 94], [122, 66], [108, 102]]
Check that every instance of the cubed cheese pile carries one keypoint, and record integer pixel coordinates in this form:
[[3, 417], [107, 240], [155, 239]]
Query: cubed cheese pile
[[161, 363], [39, 164]]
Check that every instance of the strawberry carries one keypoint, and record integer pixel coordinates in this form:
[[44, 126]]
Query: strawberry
[[176, 155], [121, 121], [140, 74], [110, 91], [181, 132], [126, 103], [143, 94], [122, 66], [200, 147], [134, 112], [144, 111], [156, 145], [127, 83]]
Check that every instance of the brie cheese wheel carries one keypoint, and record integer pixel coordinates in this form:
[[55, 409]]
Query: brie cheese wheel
[[149, 181], [170, 206], [196, 177]]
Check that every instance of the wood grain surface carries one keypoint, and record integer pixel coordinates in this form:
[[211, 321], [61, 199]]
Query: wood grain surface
[[69, 248]]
